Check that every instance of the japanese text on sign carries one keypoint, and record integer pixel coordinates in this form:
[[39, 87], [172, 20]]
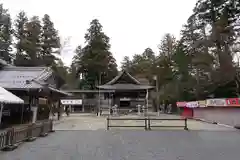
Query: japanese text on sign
[[216, 102]]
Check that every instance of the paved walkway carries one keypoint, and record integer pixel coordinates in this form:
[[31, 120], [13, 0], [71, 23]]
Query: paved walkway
[[130, 145]]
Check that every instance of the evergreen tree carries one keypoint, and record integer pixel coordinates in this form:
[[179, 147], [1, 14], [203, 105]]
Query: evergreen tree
[[167, 46], [126, 63], [33, 41], [50, 41], [96, 60], [222, 16], [5, 34], [20, 35]]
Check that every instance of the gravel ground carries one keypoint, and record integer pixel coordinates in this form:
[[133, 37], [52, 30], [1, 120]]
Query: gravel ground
[[130, 145]]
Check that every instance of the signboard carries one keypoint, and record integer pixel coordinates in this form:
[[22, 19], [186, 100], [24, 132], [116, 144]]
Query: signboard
[[216, 102], [71, 101], [124, 99], [233, 101], [193, 104], [202, 103], [181, 104], [42, 101], [6, 113]]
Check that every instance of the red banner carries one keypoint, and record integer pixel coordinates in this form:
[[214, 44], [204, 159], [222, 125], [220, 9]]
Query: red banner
[[181, 104], [233, 101]]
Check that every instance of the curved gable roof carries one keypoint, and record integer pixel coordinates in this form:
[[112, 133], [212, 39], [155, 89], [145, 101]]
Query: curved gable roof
[[123, 73]]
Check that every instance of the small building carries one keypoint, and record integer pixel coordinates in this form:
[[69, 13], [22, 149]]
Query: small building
[[219, 110], [128, 91], [37, 86], [124, 91], [87, 100]]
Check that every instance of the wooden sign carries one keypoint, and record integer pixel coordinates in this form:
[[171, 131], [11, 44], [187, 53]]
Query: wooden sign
[[42, 101]]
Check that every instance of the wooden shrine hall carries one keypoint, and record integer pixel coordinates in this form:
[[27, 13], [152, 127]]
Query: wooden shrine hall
[[128, 91]]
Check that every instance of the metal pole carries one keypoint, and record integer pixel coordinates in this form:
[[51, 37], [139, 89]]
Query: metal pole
[[146, 125], [197, 87], [185, 124], [107, 123], [147, 102], [99, 94], [22, 113], [157, 93]]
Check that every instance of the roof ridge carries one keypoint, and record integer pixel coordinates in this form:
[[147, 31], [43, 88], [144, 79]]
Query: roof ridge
[[133, 78], [118, 76], [23, 68], [47, 69]]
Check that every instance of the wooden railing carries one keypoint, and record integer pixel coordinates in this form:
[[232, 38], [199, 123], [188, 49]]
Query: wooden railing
[[146, 123], [10, 137]]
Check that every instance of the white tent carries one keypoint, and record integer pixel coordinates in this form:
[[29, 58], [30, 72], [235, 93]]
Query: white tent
[[8, 97]]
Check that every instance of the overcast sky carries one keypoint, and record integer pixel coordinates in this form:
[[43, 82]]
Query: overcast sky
[[132, 25]]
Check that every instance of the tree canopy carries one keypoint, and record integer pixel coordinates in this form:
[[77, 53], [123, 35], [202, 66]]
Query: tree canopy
[[30, 41], [203, 62], [94, 62], [5, 34]]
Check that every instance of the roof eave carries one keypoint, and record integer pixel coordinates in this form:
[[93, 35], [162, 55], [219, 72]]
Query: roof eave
[[109, 87]]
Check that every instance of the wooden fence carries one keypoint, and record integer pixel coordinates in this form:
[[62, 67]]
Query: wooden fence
[[11, 137], [146, 123]]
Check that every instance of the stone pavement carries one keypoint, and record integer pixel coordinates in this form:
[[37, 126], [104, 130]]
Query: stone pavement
[[92, 122], [75, 139], [130, 145]]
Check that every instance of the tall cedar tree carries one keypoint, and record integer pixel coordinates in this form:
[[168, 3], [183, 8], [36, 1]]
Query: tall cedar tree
[[96, 59], [222, 16], [5, 34], [33, 41], [50, 41], [126, 63], [20, 36]]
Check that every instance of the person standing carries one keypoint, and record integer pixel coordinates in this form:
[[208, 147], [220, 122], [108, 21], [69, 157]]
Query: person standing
[[67, 110]]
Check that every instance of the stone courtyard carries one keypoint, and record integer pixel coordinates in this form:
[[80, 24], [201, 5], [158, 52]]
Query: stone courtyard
[[84, 137], [93, 122]]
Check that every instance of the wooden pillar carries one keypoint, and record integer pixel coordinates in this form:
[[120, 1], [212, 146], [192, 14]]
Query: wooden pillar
[[51, 106], [59, 109], [34, 107]]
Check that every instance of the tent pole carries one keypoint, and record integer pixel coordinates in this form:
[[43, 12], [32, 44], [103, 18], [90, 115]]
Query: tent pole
[[1, 111]]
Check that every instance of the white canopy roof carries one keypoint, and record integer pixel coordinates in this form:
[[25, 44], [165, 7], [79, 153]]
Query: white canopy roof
[[8, 97]]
